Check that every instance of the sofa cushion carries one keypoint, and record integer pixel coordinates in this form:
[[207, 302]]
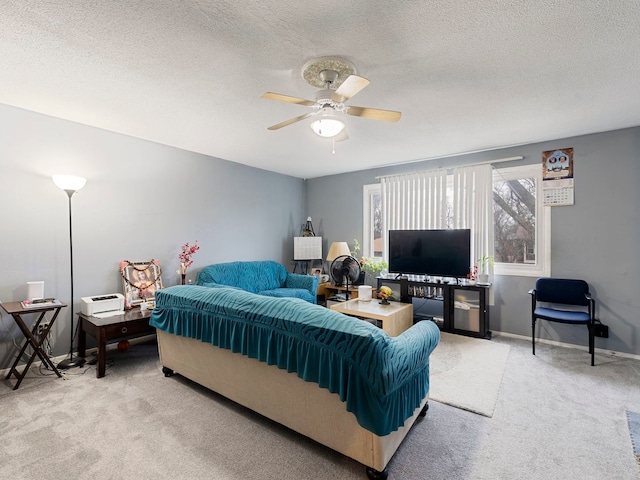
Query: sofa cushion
[[289, 292], [253, 277]]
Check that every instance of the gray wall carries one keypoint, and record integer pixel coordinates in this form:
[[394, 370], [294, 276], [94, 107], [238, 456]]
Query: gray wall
[[597, 239], [142, 201]]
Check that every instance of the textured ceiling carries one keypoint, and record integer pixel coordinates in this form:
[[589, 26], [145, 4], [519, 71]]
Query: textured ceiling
[[466, 75]]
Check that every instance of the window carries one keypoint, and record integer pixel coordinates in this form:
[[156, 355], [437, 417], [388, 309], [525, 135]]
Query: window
[[372, 222], [522, 230], [521, 222]]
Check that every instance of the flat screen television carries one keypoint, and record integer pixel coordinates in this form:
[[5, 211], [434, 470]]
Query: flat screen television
[[443, 253]]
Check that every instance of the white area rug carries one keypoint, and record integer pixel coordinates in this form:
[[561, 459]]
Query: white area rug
[[467, 372]]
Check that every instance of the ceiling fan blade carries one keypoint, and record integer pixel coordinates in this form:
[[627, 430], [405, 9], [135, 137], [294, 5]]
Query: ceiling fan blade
[[352, 85], [287, 98], [374, 113], [290, 121], [342, 136]]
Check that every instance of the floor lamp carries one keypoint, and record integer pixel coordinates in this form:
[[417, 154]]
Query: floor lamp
[[70, 184]]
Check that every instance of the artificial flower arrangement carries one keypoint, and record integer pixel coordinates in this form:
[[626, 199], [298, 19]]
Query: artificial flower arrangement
[[385, 293], [473, 274], [185, 258]]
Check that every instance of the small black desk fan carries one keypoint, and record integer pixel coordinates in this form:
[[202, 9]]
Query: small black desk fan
[[345, 268]]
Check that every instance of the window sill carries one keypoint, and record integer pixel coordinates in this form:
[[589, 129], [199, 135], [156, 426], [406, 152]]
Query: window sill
[[520, 271]]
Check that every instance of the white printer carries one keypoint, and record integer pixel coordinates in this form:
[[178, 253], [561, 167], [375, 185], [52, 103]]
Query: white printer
[[112, 302]]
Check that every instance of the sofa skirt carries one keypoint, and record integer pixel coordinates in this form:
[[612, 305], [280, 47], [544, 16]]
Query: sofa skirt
[[282, 397]]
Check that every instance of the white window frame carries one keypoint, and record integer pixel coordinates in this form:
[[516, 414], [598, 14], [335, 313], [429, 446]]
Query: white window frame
[[542, 267], [367, 219]]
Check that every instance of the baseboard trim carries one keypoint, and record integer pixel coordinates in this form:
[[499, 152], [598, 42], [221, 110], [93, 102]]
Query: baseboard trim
[[57, 359], [555, 343]]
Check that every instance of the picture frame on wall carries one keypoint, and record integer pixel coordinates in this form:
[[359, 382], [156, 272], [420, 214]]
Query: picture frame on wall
[[140, 281]]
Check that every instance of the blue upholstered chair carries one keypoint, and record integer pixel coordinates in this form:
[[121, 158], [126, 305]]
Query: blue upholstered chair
[[555, 292]]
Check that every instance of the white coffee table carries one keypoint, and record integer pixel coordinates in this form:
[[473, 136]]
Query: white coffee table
[[394, 318]]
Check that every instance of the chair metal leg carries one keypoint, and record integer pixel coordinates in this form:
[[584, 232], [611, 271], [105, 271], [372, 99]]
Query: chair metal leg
[[592, 346], [533, 335]]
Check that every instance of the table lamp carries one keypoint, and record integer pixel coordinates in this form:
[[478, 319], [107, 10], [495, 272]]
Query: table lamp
[[335, 250]]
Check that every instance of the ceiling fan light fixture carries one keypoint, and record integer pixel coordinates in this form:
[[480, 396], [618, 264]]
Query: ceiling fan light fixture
[[327, 126]]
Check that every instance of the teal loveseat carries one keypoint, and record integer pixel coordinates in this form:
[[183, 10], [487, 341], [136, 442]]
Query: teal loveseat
[[264, 277]]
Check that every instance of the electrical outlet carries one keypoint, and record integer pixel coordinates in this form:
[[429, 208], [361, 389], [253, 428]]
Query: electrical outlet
[[600, 330], [42, 327]]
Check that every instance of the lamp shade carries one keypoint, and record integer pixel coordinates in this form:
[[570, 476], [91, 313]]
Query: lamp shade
[[69, 182], [327, 126], [337, 249]]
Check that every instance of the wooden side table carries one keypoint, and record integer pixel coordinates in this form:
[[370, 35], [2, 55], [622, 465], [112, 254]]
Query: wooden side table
[[16, 310], [133, 323], [327, 290], [394, 318]]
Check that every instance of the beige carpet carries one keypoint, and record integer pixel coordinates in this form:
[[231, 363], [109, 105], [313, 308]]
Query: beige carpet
[[467, 372]]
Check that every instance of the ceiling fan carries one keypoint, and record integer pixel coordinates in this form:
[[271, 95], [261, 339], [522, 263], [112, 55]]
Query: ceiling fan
[[338, 82]]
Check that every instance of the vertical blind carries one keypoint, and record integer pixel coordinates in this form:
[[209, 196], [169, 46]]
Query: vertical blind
[[440, 199]]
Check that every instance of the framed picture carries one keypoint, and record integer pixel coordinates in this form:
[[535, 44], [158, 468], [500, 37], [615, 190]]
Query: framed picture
[[140, 281]]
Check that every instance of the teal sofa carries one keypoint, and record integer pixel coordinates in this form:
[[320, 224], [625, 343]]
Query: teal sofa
[[341, 381], [264, 277]]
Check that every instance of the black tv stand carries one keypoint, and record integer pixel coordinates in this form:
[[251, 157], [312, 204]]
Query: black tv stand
[[465, 308]]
